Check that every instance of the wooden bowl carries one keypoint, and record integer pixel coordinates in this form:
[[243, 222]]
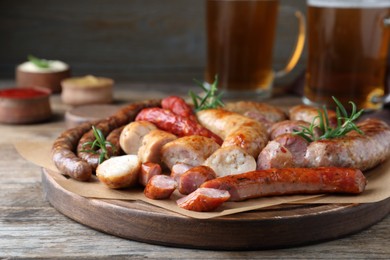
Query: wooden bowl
[[27, 74], [78, 115], [24, 105], [87, 90]]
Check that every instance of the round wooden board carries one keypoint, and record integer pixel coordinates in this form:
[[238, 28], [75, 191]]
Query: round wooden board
[[274, 227]]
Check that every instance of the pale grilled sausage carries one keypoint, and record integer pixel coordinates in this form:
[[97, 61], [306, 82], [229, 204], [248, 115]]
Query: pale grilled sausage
[[287, 181], [191, 150], [309, 114], [150, 150], [275, 155], [290, 126], [235, 129], [119, 172], [286, 150], [353, 150], [262, 112], [230, 160], [132, 135]]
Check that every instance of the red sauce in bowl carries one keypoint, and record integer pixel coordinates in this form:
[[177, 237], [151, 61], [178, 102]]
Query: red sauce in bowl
[[23, 93]]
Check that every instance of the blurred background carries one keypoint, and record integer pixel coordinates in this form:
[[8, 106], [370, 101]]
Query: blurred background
[[128, 40]]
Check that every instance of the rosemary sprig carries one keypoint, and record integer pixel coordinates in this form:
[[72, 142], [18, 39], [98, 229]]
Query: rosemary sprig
[[211, 98], [40, 63], [99, 145], [345, 123]]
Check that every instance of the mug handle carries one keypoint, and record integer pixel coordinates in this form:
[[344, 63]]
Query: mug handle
[[385, 99], [299, 45]]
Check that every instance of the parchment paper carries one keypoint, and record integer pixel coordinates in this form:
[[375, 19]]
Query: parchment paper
[[39, 153]]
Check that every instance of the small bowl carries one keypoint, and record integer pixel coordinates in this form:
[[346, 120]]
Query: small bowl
[[87, 90], [87, 113], [27, 74], [24, 105]]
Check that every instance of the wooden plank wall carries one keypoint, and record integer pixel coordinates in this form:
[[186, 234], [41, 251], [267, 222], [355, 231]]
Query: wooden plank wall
[[137, 40]]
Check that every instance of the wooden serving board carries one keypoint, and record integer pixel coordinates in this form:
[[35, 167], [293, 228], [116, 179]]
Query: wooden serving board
[[274, 227]]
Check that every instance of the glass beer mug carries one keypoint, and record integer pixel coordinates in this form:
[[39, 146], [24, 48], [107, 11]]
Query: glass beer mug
[[348, 42], [240, 41]]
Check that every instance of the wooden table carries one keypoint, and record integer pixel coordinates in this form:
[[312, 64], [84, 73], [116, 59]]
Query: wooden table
[[31, 228]]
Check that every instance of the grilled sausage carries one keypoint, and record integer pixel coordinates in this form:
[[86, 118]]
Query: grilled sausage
[[191, 150], [178, 170], [262, 112], [120, 171], [150, 150], [230, 160], [353, 150], [131, 137], [203, 199], [289, 126], [64, 157], [309, 114], [113, 139], [235, 129], [64, 147], [148, 170], [290, 181], [275, 155], [194, 177], [160, 187], [122, 117], [175, 124]]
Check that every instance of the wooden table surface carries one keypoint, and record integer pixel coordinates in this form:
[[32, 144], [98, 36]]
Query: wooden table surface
[[31, 228]]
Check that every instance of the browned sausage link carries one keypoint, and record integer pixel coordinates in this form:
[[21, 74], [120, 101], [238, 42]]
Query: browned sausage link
[[353, 150], [309, 113], [122, 117], [286, 181], [178, 125], [64, 157], [113, 138]]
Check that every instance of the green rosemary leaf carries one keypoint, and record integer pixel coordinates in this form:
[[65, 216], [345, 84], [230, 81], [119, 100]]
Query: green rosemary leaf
[[40, 63], [99, 145], [211, 99], [345, 123]]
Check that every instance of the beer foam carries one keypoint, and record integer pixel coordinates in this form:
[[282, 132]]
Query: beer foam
[[349, 3]]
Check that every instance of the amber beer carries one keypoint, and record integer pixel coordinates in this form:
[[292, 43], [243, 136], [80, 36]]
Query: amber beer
[[240, 43], [347, 51]]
